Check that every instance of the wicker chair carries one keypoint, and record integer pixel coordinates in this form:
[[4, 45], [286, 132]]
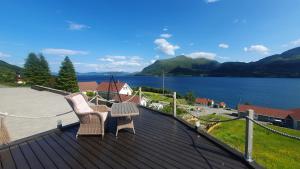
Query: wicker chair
[[92, 118]]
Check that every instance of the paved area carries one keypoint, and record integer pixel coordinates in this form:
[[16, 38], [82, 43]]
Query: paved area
[[29, 102], [203, 111]]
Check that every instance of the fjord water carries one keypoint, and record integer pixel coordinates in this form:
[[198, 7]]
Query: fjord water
[[270, 92]]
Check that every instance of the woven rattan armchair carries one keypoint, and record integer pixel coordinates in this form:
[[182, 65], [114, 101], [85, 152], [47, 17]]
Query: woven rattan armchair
[[92, 118]]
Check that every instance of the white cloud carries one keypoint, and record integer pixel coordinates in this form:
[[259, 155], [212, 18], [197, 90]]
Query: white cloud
[[77, 26], [152, 61], [206, 55], [260, 49], [122, 60], [110, 58], [165, 35], [223, 45], [165, 29], [4, 55], [63, 52], [156, 57], [164, 46], [295, 42], [211, 1]]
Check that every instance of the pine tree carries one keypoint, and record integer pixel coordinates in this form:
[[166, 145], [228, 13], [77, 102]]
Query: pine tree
[[32, 68], [67, 79], [44, 74]]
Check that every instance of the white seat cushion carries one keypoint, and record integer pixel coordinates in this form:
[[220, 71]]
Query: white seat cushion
[[81, 105]]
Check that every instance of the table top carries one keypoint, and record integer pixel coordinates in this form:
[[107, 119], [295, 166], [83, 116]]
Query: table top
[[124, 109]]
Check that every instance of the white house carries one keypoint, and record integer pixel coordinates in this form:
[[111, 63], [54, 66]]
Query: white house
[[121, 87]]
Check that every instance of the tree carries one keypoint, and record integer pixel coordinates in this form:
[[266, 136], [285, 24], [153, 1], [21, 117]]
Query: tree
[[190, 98], [67, 80], [31, 69], [37, 70], [44, 74]]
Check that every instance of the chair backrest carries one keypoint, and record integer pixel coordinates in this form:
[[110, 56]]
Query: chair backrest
[[78, 103]]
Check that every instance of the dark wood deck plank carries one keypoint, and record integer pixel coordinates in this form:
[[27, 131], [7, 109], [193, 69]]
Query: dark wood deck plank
[[82, 159], [137, 160], [41, 155], [62, 153], [18, 157], [82, 150], [101, 156], [6, 159], [57, 160], [129, 143], [34, 163], [111, 154], [133, 151], [191, 150]]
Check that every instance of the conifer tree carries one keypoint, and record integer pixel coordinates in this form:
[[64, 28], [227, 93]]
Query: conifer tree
[[31, 69], [67, 79], [44, 74]]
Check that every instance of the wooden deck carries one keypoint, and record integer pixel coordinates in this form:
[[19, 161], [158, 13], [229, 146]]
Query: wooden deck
[[160, 142]]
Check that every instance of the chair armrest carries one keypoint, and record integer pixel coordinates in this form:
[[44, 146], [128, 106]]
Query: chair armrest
[[86, 117], [101, 108], [98, 114]]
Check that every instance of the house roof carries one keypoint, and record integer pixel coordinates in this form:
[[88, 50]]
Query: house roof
[[203, 100], [104, 86], [124, 97], [295, 114], [271, 112], [87, 86], [222, 103]]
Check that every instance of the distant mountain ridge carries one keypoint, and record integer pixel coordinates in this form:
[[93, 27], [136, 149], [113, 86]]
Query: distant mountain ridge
[[286, 64], [103, 73], [8, 72]]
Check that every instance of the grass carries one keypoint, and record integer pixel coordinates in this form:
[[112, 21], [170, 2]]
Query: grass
[[159, 97], [270, 150]]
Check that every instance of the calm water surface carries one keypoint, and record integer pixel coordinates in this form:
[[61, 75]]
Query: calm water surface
[[272, 92]]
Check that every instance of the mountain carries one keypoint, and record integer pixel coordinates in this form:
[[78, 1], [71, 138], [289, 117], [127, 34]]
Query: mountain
[[180, 64], [286, 64], [8, 72], [104, 73]]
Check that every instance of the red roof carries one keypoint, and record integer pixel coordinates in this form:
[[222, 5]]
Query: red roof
[[270, 112], [104, 86], [295, 114], [135, 99], [222, 104], [87, 86], [203, 101]]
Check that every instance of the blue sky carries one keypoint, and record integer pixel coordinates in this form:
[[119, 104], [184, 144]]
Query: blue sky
[[127, 35]]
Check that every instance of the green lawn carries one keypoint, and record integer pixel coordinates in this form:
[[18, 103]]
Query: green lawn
[[159, 97], [270, 150]]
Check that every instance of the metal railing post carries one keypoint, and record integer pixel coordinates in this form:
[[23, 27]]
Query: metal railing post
[[140, 94], [174, 104], [249, 136], [97, 100]]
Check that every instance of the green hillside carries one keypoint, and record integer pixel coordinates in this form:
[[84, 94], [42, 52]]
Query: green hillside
[[169, 66], [286, 64], [8, 72], [270, 150]]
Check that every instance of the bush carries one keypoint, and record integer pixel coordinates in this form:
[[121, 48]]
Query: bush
[[169, 110], [158, 90], [90, 94]]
